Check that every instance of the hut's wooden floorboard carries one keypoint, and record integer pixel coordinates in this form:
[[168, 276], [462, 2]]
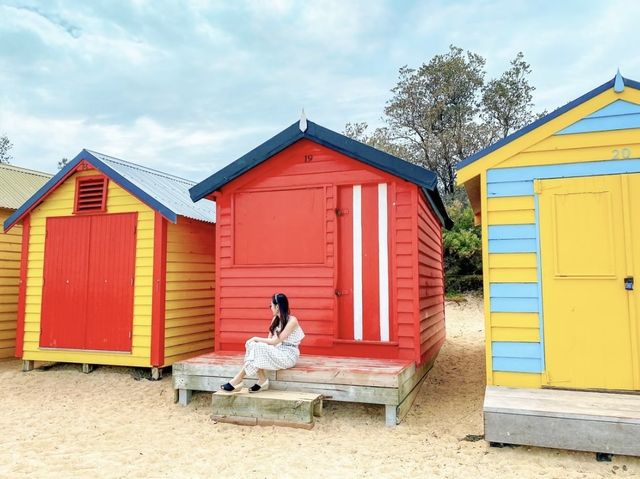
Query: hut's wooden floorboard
[[374, 381], [577, 420]]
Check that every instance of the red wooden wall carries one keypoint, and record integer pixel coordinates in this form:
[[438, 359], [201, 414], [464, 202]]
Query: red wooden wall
[[255, 237], [431, 281]]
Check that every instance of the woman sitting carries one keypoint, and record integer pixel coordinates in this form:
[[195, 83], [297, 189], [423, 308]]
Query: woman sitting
[[279, 350]]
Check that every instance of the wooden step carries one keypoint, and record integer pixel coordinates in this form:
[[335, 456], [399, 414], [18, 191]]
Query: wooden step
[[283, 408], [577, 420]]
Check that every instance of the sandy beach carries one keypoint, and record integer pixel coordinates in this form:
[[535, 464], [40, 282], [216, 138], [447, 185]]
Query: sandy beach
[[112, 423]]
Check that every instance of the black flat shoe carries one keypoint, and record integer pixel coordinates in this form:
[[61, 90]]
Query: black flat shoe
[[259, 387], [231, 388]]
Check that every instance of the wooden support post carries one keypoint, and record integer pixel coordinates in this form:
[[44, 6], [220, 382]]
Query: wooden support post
[[87, 368], [184, 396], [390, 415], [27, 365], [317, 408], [156, 374]]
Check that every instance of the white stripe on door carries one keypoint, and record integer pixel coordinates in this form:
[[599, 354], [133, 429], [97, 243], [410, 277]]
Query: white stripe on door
[[357, 262], [383, 262]]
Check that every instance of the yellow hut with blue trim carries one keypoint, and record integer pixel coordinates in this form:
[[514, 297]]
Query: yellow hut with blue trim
[[559, 205]]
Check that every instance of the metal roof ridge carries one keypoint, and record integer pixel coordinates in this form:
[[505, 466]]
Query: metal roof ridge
[[141, 168], [26, 171]]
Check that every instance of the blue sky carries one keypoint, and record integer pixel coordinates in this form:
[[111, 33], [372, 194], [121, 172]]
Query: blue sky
[[189, 86]]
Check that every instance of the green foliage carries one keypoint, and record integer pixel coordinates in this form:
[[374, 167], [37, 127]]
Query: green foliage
[[507, 100], [444, 110], [440, 113], [462, 249]]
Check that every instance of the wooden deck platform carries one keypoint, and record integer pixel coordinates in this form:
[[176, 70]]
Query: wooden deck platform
[[393, 383], [577, 420]]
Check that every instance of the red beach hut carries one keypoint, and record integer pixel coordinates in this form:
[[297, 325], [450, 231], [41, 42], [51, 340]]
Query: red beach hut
[[351, 234]]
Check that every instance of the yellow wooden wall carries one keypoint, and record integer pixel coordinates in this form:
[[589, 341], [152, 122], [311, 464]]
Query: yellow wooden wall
[[545, 149], [10, 244], [189, 315], [60, 203]]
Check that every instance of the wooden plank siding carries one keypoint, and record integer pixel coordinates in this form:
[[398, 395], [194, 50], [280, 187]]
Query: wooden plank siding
[[431, 282], [244, 290], [60, 203], [190, 286], [510, 202], [406, 275], [10, 244]]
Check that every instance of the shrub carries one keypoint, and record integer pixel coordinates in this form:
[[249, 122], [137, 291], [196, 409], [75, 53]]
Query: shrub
[[462, 250]]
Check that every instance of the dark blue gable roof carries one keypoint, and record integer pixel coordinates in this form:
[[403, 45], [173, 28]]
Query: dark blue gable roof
[[422, 177], [614, 82]]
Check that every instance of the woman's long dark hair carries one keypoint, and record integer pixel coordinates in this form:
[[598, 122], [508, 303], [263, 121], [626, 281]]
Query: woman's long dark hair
[[282, 318]]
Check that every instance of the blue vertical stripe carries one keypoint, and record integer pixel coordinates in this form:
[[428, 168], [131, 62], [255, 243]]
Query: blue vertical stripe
[[539, 264]]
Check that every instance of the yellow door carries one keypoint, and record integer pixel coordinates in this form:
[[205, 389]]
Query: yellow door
[[586, 245]]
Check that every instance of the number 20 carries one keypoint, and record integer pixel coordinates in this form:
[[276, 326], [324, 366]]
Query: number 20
[[623, 153]]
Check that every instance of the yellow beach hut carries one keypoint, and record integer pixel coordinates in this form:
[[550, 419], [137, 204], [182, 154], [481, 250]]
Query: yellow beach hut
[[119, 267], [559, 204], [16, 186]]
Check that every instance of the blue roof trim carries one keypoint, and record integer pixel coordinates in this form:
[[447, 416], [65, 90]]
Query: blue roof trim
[[433, 197], [545, 119], [246, 162], [340, 143], [142, 195], [68, 169]]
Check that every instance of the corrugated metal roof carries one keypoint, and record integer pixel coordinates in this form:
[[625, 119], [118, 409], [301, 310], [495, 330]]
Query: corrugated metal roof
[[18, 184], [171, 191]]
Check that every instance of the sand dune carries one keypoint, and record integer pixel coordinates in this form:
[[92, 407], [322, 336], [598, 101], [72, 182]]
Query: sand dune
[[110, 423]]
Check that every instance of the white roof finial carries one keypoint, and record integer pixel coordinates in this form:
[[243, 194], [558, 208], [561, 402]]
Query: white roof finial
[[303, 121]]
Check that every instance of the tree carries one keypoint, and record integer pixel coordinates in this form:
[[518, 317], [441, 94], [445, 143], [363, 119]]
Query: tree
[[507, 101], [5, 148], [433, 109], [443, 111], [62, 163], [381, 138]]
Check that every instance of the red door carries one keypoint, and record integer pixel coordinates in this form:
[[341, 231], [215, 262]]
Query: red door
[[363, 278], [109, 314], [87, 300], [66, 256]]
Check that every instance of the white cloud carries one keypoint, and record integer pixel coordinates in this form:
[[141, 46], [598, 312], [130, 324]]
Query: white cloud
[[191, 86]]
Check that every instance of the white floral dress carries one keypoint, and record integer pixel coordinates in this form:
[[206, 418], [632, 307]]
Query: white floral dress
[[266, 356]]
